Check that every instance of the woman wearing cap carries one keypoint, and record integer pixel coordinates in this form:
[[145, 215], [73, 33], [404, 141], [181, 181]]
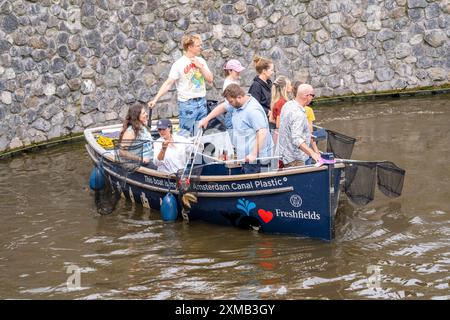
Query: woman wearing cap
[[231, 70], [171, 150], [135, 139]]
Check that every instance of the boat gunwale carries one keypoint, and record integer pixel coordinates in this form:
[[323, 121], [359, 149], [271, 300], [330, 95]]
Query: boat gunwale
[[203, 194], [89, 136]]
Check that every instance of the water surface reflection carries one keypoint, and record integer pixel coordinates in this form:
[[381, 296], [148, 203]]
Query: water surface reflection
[[392, 248]]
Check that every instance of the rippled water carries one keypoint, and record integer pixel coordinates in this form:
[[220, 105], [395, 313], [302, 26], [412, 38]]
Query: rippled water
[[389, 249]]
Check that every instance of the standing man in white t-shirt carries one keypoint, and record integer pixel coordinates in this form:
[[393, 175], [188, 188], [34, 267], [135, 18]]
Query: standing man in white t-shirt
[[189, 74]]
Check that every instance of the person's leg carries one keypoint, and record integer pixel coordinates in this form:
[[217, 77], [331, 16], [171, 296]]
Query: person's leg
[[201, 112], [295, 163], [248, 168], [151, 165], [187, 116]]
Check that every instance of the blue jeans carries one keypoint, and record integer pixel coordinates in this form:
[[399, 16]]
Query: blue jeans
[[191, 111]]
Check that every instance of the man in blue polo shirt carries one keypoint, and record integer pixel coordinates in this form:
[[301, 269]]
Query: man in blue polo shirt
[[251, 135]]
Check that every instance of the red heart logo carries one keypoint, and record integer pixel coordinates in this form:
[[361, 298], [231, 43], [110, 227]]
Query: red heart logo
[[266, 216]]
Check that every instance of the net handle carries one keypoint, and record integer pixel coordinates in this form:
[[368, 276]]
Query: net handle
[[338, 160], [389, 185], [149, 121], [193, 154]]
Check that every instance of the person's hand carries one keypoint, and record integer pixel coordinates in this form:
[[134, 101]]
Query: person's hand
[[315, 156], [151, 104], [165, 144], [270, 115], [250, 158], [203, 123], [196, 62]]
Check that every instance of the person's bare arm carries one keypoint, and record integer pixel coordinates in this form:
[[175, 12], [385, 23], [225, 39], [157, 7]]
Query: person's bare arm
[[162, 91], [261, 135], [220, 109], [310, 152], [126, 142], [313, 141], [203, 69], [162, 152]]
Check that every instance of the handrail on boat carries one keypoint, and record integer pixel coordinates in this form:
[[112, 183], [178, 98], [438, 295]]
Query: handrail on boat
[[88, 133], [203, 194]]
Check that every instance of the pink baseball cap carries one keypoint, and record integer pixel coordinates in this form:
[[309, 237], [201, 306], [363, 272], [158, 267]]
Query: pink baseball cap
[[234, 64]]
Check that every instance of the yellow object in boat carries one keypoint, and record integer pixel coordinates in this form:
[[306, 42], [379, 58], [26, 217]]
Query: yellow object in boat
[[105, 142]]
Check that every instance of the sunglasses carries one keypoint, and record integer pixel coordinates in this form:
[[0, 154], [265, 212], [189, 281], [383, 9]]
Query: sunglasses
[[311, 94], [161, 129]]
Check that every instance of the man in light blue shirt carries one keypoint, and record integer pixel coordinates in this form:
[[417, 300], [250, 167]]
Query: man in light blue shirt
[[251, 135]]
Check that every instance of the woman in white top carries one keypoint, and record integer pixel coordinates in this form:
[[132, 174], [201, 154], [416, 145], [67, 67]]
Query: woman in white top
[[171, 151], [231, 70]]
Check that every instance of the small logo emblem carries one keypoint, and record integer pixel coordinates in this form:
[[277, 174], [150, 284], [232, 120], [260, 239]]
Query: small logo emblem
[[296, 200], [245, 206]]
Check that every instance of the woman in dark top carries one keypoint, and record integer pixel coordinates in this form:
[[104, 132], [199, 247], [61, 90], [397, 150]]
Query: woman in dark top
[[261, 86]]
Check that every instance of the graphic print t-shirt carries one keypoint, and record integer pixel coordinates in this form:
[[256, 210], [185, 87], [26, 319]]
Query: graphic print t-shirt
[[189, 80]]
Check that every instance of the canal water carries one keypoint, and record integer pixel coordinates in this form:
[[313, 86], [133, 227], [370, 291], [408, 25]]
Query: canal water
[[54, 244]]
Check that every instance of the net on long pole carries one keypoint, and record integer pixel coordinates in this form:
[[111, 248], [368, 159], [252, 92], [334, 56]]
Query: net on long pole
[[340, 144]]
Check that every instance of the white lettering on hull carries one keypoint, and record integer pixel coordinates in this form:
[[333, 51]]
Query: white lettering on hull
[[298, 214]]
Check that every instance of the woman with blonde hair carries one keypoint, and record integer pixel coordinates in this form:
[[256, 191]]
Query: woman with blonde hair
[[260, 89], [281, 89]]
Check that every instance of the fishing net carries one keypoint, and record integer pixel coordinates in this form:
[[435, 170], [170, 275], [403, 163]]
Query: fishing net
[[106, 199], [359, 183], [390, 179], [360, 179], [129, 153], [340, 144]]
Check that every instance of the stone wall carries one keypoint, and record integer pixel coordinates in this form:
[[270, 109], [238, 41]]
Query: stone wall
[[69, 64]]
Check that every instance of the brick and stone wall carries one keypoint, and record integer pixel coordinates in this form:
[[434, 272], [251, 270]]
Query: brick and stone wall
[[70, 64]]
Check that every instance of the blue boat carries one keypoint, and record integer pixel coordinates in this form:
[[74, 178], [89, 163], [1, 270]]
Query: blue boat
[[300, 200]]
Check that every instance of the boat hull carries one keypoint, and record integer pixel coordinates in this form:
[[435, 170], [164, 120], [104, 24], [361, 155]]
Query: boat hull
[[297, 201]]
